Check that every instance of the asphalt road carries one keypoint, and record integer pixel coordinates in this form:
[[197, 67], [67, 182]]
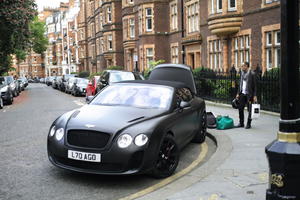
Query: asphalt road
[[25, 171]]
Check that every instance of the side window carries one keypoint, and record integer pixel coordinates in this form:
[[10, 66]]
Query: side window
[[184, 94]]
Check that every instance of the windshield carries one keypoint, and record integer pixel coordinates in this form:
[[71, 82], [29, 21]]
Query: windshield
[[83, 81], [141, 96], [121, 76]]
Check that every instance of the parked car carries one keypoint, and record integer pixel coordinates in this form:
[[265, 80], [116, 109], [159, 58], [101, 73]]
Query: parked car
[[131, 127], [112, 76], [79, 87], [6, 91], [70, 85], [42, 80], [22, 84], [24, 81], [64, 82], [49, 80], [92, 86], [55, 82], [13, 85], [1, 101]]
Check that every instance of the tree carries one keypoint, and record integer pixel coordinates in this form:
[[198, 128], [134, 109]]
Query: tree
[[38, 39], [15, 16]]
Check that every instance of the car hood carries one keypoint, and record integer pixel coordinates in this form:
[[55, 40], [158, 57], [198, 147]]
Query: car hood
[[109, 119]]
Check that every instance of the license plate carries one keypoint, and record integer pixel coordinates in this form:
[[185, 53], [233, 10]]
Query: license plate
[[90, 157]]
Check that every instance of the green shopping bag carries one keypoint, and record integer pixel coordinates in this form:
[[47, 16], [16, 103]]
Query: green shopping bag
[[224, 122]]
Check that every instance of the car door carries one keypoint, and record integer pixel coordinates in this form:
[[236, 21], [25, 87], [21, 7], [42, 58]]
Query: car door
[[185, 118]]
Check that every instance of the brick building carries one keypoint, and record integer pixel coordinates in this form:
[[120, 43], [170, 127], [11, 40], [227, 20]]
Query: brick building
[[217, 34]]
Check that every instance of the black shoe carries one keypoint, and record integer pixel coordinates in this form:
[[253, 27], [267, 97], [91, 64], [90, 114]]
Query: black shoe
[[240, 125], [248, 126]]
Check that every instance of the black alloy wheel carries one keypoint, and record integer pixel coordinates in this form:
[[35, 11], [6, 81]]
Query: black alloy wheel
[[10, 99], [168, 158], [201, 133]]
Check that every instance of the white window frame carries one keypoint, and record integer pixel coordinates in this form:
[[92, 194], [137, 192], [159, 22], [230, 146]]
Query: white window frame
[[268, 53], [109, 14], [140, 21], [109, 43], [149, 19], [268, 42], [219, 10], [212, 11], [242, 42], [149, 57], [131, 28], [173, 15], [277, 42], [231, 8]]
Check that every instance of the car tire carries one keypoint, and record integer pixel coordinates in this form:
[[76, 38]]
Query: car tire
[[201, 133], [168, 158], [15, 93], [11, 99], [1, 103]]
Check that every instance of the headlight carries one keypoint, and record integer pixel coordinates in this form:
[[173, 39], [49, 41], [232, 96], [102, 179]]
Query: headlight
[[59, 134], [124, 141], [52, 131], [141, 140], [4, 89]]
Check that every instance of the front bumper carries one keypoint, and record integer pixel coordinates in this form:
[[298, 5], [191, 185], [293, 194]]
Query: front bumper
[[5, 96], [114, 161]]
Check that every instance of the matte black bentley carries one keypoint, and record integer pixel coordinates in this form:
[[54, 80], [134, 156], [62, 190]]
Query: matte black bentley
[[132, 127]]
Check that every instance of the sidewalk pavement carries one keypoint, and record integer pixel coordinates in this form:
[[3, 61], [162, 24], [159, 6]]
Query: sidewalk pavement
[[238, 170]]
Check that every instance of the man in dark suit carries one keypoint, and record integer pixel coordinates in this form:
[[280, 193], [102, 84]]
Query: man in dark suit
[[246, 93]]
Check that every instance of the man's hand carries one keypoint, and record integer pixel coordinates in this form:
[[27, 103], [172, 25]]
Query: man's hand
[[237, 96]]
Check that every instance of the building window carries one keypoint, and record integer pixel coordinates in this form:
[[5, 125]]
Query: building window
[[109, 42], [149, 56], [149, 17], [270, 1], [109, 18], [241, 51], [131, 28], [232, 5], [193, 19], [272, 49], [219, 6], [140, 21], [215, 54], [173, 16], [174, 54], [212, 6]]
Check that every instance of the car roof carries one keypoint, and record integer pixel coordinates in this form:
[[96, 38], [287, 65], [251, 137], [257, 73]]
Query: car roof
[[174, 72], [172, 84]]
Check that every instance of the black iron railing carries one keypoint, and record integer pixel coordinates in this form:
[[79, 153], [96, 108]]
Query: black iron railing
[[222, 87]]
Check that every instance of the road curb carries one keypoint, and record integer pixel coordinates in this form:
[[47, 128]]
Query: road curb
[[211, 103]]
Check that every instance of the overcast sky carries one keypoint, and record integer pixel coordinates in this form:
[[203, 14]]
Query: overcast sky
[[48, 3]]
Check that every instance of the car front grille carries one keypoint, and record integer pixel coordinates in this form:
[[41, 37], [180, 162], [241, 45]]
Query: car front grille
[[87, 138]]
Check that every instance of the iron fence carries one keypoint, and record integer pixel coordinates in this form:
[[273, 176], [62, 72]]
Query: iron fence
[[223, 86]]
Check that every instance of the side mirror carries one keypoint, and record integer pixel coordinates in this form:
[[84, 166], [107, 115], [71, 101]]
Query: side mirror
[[184, 104], [89, 98]]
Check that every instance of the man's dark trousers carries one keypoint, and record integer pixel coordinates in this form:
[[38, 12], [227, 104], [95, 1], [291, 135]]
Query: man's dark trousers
[[244, 100]]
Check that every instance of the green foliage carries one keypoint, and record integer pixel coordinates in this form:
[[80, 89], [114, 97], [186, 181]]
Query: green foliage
[[84, 74], [20, 55], [223, 89], [115, 68], [73, 72], [152, 64], [95, 74], [204, 80], [38, 39], [15, 17]]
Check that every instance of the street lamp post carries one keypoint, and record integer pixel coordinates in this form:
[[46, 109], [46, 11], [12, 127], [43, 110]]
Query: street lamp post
[[284, 153]]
